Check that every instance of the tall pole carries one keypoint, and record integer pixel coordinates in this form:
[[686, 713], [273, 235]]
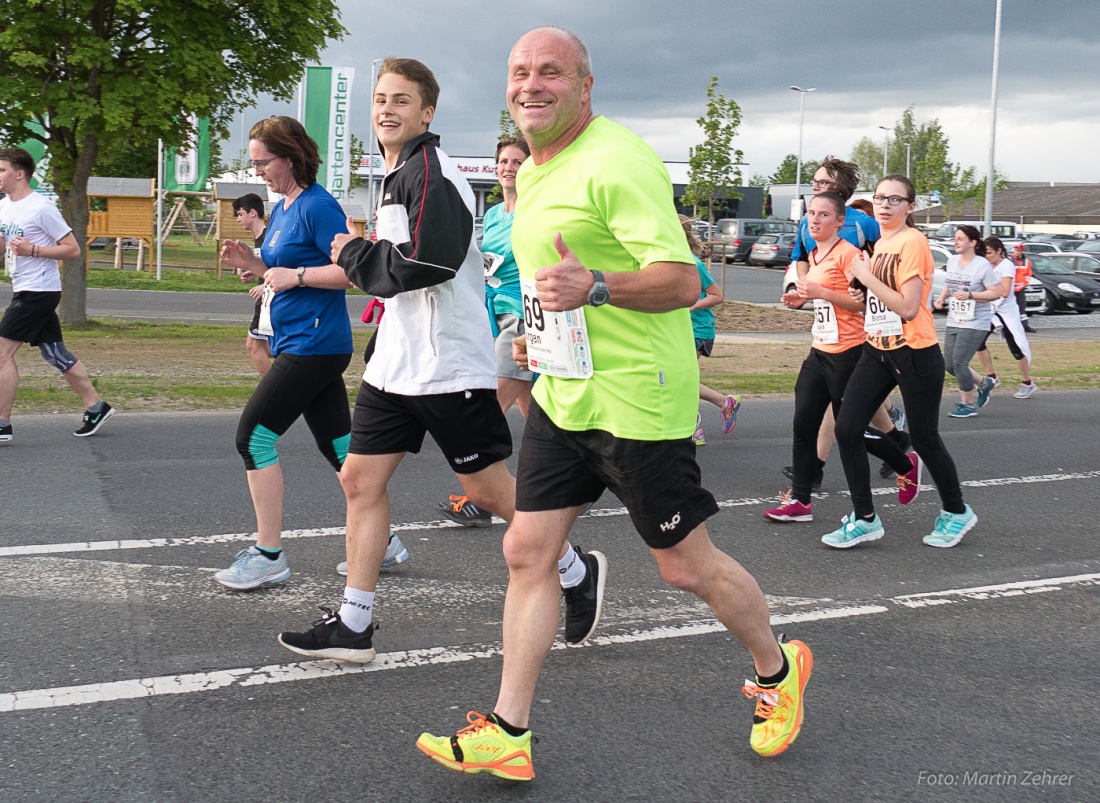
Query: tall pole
[[798, 170], [370, 152], [885, 148], [160, 203], [993, 124], [907, 173]]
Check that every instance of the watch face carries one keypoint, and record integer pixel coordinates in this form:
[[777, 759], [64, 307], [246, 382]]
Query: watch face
[[598, 295]]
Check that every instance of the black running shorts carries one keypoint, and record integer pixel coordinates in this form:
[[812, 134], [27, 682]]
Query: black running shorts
[[658, 481], [468, 426], [32, 317]]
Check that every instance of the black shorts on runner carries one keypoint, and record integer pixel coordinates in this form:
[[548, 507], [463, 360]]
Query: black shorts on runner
[[32, 317], [704, 346], [254, 327], [468, 426], [658, 481]]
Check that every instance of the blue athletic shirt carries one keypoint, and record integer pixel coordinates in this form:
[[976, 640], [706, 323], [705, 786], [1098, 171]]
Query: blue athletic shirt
[[859, 229], [307, 320], [702, 320]]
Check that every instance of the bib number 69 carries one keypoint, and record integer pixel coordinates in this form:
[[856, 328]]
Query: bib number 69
[[532, 313]]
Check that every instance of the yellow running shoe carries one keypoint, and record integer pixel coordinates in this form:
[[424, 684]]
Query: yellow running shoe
[[482, 746], [778, 716]]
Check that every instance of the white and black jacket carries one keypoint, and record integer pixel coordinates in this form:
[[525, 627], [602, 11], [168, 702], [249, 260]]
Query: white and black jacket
[[434, 337]]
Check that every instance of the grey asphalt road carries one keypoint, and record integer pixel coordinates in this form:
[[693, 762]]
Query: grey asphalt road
[[127, 674]]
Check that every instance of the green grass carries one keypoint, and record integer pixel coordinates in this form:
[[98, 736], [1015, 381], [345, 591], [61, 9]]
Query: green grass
[[193, 334]]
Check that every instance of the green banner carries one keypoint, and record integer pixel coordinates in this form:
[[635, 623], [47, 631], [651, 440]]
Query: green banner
[[188, 169], [327, 121]]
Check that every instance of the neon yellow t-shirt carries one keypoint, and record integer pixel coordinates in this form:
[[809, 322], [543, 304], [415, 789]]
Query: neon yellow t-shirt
[[611, 199]]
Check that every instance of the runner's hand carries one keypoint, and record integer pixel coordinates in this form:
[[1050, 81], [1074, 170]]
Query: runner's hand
[[519, 352], [342, 240], [792, 300], [236, 254], [563, 286], [281, 278], [256, 292], [21, 247], [808, 289]]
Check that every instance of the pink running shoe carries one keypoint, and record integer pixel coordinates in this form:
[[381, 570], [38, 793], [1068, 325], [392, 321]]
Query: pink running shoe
[[909, 483], [789, 510], [729, 413]]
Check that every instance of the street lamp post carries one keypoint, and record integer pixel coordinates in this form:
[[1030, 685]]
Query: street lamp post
[[993, 125], [370, 152], [798, 171], [885, 148], [907, 173]]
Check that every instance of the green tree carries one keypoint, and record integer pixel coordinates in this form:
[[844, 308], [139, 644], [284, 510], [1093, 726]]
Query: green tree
[[788, 173], [508, 128], [867, 154], [713, 165], [358, 153], [97, 74]]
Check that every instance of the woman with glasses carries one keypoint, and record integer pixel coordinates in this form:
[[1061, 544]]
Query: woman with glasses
[[902, 351], [1007, 318], [838, 344], [305, 311], [971, 284]]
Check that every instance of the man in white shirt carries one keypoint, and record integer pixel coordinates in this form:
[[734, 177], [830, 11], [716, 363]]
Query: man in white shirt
[[34, 237]]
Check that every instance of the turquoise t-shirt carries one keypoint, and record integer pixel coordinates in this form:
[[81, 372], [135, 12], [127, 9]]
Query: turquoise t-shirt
[[702, 320], [610, 197], [496, 240]]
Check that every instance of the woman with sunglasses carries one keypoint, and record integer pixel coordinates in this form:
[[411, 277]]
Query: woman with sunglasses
[[902, 351]]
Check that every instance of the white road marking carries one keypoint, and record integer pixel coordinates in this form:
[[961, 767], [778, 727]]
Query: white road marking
[[418, 526], [164, 685]]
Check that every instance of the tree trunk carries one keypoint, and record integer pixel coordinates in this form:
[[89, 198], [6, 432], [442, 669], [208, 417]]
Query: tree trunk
[[74, 208]]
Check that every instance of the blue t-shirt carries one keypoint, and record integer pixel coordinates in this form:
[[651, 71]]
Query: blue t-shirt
[[307, 320], [497, 240], [859, 229], [702, 320]]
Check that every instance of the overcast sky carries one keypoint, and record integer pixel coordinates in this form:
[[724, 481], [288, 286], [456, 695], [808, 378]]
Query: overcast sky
[[868, 62]]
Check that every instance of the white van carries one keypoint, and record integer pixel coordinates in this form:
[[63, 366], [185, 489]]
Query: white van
[[1004, 229]]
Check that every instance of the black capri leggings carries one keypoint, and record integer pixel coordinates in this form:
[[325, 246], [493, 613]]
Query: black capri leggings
[[918, 374], [821, 382], [296, 385], [1010, 341]]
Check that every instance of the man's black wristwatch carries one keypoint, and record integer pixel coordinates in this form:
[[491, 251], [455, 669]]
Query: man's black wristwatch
[[598, 295]]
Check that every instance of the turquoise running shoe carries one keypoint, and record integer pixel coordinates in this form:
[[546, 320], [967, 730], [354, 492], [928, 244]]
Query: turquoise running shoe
[[854, 531], [964, 410], [950, 528], [983, 392]]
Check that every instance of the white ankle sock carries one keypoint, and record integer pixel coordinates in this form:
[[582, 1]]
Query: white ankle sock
[[356, 609], [571, 569]]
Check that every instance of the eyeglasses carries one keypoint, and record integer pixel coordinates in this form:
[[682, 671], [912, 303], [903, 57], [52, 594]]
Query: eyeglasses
[[263, 163], [821, 182], [892, 200]]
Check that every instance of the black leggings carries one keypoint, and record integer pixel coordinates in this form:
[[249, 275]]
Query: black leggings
[[821, 382], [1013, 346], [918, 374], [295, 386]]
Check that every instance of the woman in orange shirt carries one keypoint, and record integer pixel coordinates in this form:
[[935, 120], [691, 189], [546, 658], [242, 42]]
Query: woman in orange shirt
[[902, 350], [838, 343]]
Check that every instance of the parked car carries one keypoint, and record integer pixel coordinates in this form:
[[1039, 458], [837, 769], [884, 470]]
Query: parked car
[[790, 276], [1064, 289], [1035, 247], [772, 250], [1086, 264], [1005, 229], [1088, 247], [735, 237]]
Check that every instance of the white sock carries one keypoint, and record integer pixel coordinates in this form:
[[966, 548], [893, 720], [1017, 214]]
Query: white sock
[[356, 609], [571, 569]]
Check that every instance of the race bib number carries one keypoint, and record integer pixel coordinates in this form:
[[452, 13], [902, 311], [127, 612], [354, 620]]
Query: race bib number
[[10, 261], [825, 329], [880, 320], [557, 342], [960, 311], [491, 263], [264, 326]]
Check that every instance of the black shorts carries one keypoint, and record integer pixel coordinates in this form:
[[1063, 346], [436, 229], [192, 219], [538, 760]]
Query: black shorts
[[468, 426], [254, 327], [704, 346], [32, 317], [658, 481]]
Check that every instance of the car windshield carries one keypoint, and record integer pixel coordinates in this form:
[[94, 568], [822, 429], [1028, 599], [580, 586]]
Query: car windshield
[[767, 238], [1049, 266]]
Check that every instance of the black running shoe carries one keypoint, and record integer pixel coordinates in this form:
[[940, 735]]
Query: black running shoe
[[584, 603], [93, 421], [329, 638], [461, 510], [5, 433], [815, 486]]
